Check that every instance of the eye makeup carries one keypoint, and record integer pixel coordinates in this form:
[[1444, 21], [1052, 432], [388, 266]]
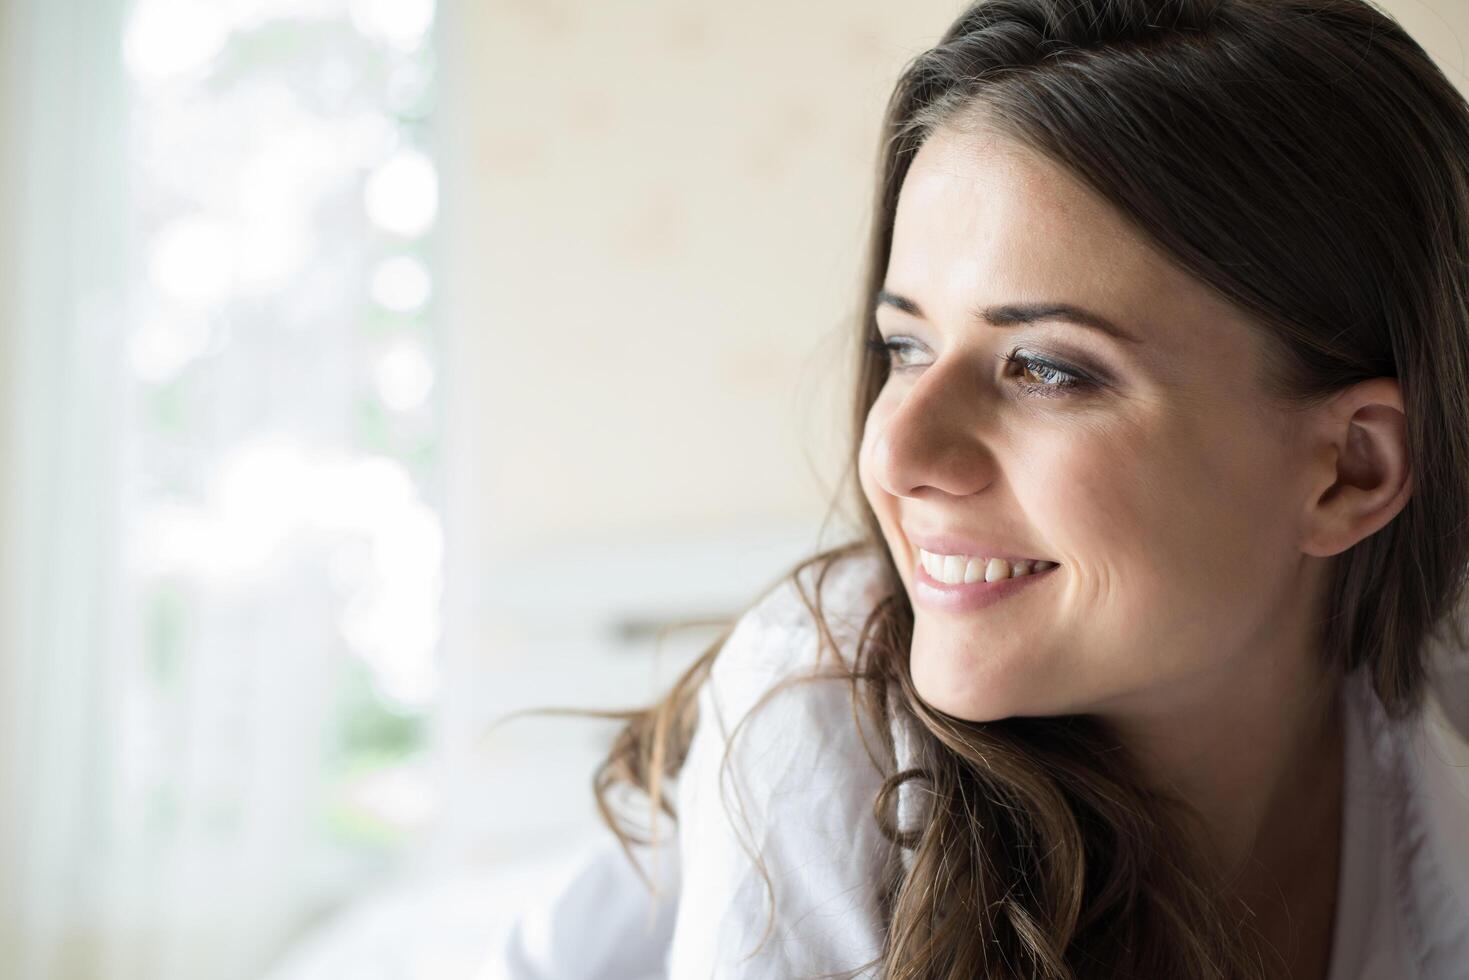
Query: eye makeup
[[1052, 378]]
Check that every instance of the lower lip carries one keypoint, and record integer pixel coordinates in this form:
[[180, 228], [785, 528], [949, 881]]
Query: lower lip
[[930, 592]]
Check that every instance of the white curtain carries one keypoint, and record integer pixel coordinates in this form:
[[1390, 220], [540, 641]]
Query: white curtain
[[65, 321]]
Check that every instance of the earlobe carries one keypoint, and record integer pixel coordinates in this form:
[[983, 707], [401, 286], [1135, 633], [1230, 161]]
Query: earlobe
[[1369, 478]]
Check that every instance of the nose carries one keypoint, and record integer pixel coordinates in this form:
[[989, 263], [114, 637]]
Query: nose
[[933, 435]]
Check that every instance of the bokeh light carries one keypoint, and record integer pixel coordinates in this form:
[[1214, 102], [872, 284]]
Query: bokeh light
[[404, 375], [401, 284], [403, 24], [165, 39], [402, 196]]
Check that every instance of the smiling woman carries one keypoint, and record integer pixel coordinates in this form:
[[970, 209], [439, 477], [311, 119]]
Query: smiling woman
[[1164, 474]]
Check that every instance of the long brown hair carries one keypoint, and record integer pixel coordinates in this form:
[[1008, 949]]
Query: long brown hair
[[1307, 159]]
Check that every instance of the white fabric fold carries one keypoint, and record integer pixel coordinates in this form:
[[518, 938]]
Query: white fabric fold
[[798, 792]]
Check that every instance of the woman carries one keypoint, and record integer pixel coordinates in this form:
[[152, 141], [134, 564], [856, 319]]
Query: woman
[[1166, 316]]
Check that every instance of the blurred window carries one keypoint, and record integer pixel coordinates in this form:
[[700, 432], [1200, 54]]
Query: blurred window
[[283, 543]]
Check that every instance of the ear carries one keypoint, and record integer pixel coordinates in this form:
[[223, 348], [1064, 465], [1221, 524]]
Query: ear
[[1362, 476]]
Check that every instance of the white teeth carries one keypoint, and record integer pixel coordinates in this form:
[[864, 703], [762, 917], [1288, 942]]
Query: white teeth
[[954, 569]]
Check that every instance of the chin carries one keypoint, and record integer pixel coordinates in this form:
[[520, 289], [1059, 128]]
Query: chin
[[973, 689]]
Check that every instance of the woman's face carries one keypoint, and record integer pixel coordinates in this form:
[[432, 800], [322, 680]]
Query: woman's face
[[1167, 488]]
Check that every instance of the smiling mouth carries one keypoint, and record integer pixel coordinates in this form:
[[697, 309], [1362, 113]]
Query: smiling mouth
[[964, 570]]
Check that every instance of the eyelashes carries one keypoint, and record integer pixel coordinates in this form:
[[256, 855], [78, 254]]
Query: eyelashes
[[1052, 380]]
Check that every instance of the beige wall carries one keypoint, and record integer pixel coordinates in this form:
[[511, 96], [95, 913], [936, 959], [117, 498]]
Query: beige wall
[[663, 213], [1442, 28], [653, 224]]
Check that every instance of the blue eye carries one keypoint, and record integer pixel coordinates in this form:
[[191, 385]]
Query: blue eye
[[1054, 379], [888, 350]]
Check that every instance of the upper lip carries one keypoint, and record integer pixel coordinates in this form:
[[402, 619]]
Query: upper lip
[[945, 543]]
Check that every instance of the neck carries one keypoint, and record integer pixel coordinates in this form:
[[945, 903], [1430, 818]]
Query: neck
[[1263, 773], [1258, 757]]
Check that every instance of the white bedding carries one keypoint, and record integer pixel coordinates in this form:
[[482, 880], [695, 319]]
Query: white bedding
[[430, 929]]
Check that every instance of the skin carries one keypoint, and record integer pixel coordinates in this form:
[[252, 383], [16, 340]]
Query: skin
[[1194, 519]]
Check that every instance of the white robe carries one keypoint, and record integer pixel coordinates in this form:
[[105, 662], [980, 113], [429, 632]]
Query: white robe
[[805, 784]]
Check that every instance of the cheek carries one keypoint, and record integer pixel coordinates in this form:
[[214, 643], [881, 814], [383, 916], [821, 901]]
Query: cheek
[[1220, 498], [1177, 530]]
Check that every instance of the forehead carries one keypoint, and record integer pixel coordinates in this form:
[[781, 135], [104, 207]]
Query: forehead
[[982, 219]]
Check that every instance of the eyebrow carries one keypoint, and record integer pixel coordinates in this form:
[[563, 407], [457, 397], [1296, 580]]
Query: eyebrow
[[1010, 314]]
